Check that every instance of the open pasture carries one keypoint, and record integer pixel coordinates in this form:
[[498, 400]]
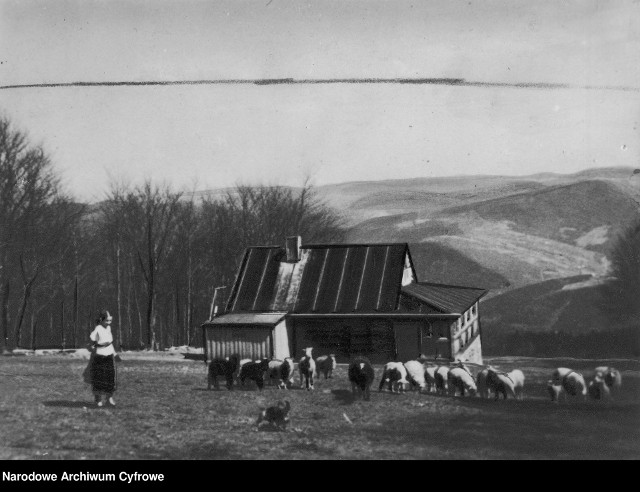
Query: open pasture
[[166, 412]]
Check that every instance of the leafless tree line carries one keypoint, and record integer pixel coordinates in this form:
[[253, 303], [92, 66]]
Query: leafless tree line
[[151, 255]]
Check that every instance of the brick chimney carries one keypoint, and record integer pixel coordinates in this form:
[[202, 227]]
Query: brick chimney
[[292, 245]]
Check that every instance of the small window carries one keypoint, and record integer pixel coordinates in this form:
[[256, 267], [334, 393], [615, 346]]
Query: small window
[[427, 330]]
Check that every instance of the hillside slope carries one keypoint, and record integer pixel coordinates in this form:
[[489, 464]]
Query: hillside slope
[[571, 316], [587, 213]]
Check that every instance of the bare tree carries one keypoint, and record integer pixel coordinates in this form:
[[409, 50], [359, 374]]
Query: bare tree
[[34, 218], [146, 218]]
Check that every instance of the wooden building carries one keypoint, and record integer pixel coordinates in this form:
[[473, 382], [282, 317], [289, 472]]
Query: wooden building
[[345, 299]]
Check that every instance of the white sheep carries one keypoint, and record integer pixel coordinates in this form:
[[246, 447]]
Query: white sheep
[[459, 379], [326, 365], [415, 374], [505, 382], [568, 382], [307, 368], [281, 371]]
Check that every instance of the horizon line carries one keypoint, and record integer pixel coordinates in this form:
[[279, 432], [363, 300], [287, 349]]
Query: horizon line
[[447, 176], [292, 81]]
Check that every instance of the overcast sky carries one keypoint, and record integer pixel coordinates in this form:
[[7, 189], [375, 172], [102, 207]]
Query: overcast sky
[[207, 136]]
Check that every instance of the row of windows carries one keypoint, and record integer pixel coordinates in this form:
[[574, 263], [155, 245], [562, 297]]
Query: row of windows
[[470, 313], [467, 336]]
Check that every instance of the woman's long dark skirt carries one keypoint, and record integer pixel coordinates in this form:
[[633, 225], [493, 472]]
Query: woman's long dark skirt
[[104, 375]]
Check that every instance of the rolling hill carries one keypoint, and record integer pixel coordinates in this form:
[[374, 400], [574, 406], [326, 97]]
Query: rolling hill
[[539, 243], [525, 230]]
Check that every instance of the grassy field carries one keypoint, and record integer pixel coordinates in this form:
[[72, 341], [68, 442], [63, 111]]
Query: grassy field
[[166, 412]]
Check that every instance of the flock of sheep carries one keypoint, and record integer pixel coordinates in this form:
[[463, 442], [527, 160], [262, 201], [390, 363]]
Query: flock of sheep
[[453, 379]]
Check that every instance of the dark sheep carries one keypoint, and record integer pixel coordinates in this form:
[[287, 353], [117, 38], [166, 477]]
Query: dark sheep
[[222, 367], [254, 371], [361, 375]]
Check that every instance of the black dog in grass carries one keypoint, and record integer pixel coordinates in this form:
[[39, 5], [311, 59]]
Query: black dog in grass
[[276, 416]]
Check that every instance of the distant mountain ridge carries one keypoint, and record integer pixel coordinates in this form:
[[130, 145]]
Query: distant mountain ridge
[[539, 243]]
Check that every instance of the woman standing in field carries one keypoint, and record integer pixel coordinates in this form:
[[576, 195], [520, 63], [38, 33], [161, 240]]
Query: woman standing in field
[[103, 370]]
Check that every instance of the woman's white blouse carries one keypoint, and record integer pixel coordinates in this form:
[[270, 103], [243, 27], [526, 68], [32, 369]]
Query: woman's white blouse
[[102, 335]]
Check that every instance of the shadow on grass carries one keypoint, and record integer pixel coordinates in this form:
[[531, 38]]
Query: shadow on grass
[[70, 404], [197, 451], [267, 427], [247, 389], [529, 429], [345, 397]]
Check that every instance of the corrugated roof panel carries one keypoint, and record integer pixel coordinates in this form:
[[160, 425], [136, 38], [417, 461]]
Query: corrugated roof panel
[[353, 270], [268, 282], [329, 288], [392, 276], [372, 279], [310, 281], [250, 281]]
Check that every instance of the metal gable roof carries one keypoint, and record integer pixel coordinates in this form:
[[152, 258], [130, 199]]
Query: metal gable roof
[[341, 278], [447, 298]]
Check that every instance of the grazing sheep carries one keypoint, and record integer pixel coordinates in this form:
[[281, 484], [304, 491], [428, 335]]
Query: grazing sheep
[[611, 377], [506, 382], [553, 390], [254, 371], [459, 379], [481, 383], [441, 377], [598, 389], [282, 372], [361, 375], [307, 368], [326, 364], [222, 367], [394, 375], [276, 416], [606, 382], [569, 381], [430, 378], [415, 374]]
